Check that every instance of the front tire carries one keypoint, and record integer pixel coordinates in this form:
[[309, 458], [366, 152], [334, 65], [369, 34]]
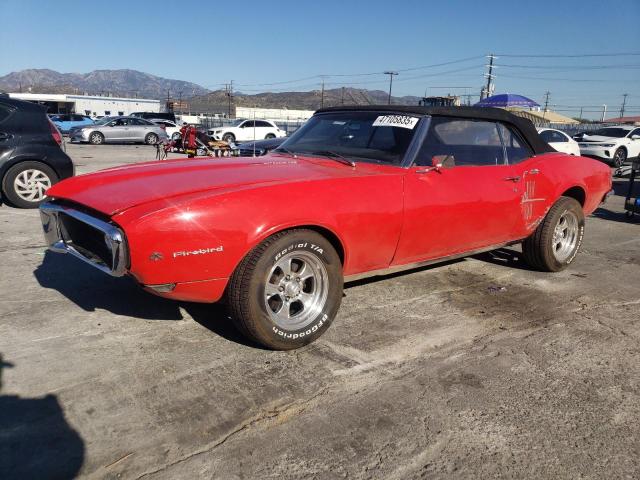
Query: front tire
[[25, 184], [229, 138], [287, 290], [96, 138], [557, 240], [619, 157]]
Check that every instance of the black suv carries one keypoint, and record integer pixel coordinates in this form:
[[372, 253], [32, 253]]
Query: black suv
[[155, 115], [31, 157]]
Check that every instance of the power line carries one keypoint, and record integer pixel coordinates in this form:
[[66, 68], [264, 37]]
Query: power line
[[580, 55], [328, 75]]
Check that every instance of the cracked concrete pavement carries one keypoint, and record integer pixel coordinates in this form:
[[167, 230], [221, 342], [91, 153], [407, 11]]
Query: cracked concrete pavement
[[472, 369]]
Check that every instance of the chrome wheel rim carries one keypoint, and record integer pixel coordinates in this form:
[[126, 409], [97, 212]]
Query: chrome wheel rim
[[619, 157], [31, 184], [152, 138], [565, 236], [296, 290], [96, 138]]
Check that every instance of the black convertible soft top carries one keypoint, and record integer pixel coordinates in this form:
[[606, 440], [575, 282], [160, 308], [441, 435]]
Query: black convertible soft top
[[524, 126]]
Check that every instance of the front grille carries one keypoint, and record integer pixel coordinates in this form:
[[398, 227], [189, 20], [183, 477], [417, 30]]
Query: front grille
[[95, 241], [87, 240]]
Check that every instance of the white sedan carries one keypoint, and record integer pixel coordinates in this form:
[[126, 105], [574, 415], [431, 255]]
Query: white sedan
[[612, 144], [246, 131], [559, 141]]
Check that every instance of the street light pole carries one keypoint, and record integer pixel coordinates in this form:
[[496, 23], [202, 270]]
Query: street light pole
[[391, 74]]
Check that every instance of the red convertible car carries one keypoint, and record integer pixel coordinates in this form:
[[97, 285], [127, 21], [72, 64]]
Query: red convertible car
[[355, 192]]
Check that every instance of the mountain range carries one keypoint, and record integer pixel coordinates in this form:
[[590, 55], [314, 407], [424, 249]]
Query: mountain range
[[125, 82]]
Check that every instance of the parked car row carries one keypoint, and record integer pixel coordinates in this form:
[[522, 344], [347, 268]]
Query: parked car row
[[613, 144]]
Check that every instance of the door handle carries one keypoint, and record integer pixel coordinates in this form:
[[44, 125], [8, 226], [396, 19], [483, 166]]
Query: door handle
[[514, 179]]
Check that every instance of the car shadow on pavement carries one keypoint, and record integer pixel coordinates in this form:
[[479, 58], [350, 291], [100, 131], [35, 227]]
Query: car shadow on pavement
[[214, 317], [606, 214], [504, 257], [35, 439], [93, 290]]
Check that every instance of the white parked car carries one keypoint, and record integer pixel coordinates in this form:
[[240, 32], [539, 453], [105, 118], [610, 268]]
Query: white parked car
[[559, 141], [172, 128], [613, 144], [246, 131]]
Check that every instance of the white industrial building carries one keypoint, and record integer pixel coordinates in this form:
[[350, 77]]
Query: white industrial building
[[92, 105], [275, 114]]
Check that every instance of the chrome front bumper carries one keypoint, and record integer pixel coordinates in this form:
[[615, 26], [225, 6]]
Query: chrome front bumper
[[60, 239]]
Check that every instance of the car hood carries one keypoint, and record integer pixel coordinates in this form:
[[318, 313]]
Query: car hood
[[114, 190], [599, 138]]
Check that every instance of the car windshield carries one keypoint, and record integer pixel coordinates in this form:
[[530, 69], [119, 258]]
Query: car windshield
[[379, 137], [610, 132], [103, 120]]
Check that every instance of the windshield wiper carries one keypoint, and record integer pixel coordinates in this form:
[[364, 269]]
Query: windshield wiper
[[335, 156]]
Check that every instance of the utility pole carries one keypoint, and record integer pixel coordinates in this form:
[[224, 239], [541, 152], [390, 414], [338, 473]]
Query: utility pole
[[342, 98], [489, 75], [322, 94], [546, 103], [624, 102], [391, 75], [229, 90], [180, 100], [604, 112], [168, 96]]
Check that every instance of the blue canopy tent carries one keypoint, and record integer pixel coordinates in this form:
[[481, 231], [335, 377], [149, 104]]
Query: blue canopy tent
[[503, 100]]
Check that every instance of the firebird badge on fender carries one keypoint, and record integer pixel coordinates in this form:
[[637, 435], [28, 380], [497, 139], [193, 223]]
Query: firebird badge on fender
[[200, 251]]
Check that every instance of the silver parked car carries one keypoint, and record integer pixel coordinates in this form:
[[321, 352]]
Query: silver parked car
[[119, 129]]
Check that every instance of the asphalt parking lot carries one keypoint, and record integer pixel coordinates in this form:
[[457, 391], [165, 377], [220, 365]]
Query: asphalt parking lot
[[478, 368]]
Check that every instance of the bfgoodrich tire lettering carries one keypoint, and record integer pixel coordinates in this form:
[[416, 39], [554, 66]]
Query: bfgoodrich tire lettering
[[557, 240], [287, 290]]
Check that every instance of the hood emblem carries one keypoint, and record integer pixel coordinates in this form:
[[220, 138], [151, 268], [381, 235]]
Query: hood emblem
[[155, 256]]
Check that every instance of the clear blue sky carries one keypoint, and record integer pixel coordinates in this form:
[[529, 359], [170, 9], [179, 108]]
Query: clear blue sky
[[260, 42]]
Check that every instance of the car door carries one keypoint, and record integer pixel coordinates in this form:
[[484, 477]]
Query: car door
[[532, 176], [247, 131], [138, 129], [634, 145], [116, 130], [472, 205], [262, 129]]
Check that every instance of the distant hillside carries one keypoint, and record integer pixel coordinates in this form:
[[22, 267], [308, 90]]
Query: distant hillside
[[217, 101], [133, 83], [117, 82]]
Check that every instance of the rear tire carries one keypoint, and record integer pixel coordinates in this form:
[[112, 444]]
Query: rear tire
[[287, 290], [269, 136], [619, 157], [25, 184], [557, 240], [96, 138]]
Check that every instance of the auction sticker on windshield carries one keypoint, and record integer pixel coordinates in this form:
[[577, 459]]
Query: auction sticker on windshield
[[402, 121]]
